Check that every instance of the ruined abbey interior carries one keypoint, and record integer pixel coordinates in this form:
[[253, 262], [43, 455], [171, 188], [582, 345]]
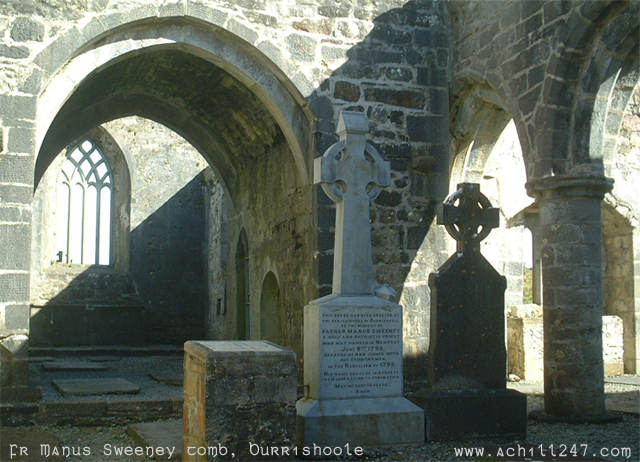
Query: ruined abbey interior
[[156, 171]]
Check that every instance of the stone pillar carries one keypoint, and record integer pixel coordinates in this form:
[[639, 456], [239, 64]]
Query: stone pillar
[[571, 235], [17, 145]]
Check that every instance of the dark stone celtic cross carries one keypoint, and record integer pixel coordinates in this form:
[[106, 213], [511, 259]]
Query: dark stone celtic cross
[[471, 220]]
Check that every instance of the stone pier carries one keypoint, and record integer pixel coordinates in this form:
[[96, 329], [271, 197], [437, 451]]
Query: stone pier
[[571, 236]]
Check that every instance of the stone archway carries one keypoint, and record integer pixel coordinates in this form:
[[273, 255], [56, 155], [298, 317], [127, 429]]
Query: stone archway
[[109, 41], [235, 106]]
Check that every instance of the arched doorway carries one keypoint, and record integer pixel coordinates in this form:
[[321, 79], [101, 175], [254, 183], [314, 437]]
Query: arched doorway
[[270, 313]]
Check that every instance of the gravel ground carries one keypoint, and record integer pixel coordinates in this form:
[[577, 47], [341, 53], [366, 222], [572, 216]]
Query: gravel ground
[[592, 438], [618, 435]]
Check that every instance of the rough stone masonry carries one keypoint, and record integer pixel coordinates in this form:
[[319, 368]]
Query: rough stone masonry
[[439, 82]]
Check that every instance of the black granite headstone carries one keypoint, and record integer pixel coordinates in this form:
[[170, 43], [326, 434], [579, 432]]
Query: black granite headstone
[[467, 352]]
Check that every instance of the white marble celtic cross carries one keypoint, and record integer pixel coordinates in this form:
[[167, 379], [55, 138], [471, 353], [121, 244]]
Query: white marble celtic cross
[[352, 172]]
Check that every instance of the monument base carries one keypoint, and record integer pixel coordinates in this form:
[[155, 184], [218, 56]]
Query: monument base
[[359, 422], [458, 414]]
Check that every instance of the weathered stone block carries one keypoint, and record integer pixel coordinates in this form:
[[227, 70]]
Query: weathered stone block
[[302, 47], [58, 52], [346, 91], [525, 343], [16, 169], [242, 31], [25, 29], [14, 52], [18, 107], [334, 11], [14, 287], [16, 318], [16, 239], [525, 346], [15, 214], [21, 140], [387, 34], [236, 392], [427, 128], [405, 98]]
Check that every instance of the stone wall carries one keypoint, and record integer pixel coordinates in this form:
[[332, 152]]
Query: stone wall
[[397, 71], [621, 219], [275, 211], [389, 60], [168, 228], [166, 273], [296, 65]]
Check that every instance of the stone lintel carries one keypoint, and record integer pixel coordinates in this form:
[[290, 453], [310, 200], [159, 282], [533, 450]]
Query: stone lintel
[[567, 186]]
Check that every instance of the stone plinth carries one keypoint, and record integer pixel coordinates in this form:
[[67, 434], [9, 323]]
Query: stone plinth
[[460, 414], [353, 375], [525, 345], [236, 393], [525, 342]]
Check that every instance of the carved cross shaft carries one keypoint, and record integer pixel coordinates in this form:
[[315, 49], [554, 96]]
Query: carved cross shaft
[[463, 222], [352, 172]]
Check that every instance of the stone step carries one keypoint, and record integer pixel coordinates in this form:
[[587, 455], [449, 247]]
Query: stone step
[[100, 411], [100, 386], [73, 366], [104, 359], [159, 434], [108, 350], [175, 380]]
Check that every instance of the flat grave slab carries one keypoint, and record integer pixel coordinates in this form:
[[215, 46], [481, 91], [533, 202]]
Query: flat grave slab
[[73, 366], [101, 386], [169, 379], [624, 379], [159, 434]]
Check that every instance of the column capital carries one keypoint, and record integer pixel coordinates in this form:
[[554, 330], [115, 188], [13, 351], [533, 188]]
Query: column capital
[[566, 186]]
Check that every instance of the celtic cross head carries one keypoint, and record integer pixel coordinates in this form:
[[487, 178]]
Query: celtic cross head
[[468, 216]]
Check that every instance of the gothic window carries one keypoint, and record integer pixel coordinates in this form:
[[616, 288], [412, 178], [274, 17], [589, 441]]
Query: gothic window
[[85, 188]]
